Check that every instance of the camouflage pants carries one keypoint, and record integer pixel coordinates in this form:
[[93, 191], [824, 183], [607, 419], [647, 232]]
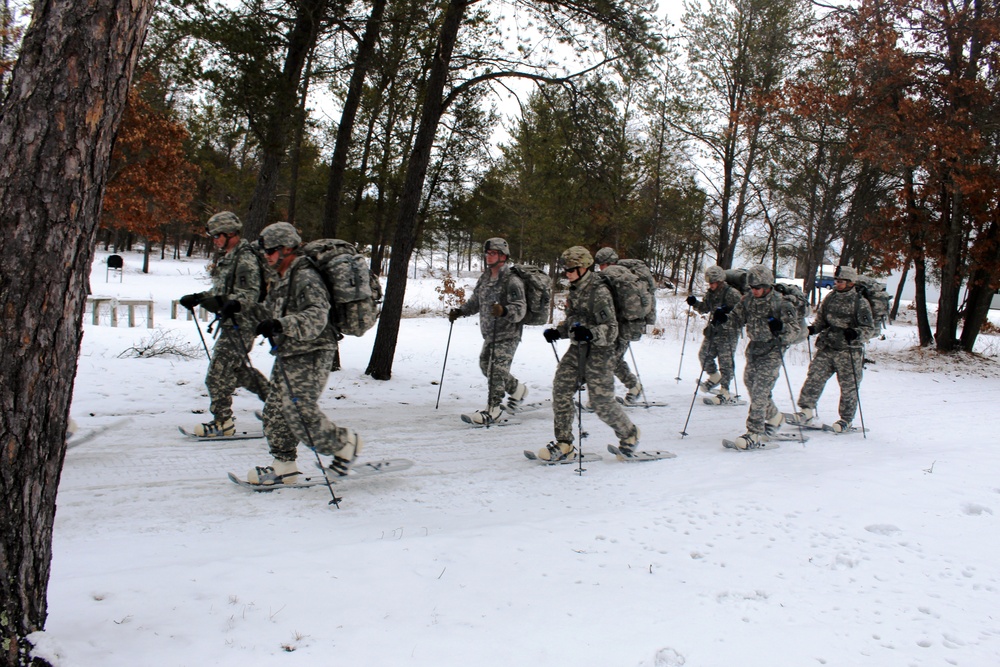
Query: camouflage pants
[[848, 365], [622, 371], [598, 373], [286, 424], [229, 369], [723, 348], [759, 377], [501, 382]]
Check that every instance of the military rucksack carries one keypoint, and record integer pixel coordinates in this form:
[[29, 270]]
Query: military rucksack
[[794, 295], [646, 281], [537, 293], [876, 294], [738, 279], [631, 301], [355, 292]]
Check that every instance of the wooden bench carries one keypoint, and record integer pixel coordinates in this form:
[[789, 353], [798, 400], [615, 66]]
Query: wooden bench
[[202, 313], [95, 303]]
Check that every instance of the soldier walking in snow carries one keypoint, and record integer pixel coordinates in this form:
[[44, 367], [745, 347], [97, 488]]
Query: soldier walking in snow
[[721, 336], [237, 275], [772, 325], [499, 299], [628, 331], [844, 323], [591, 326], [296, 319]]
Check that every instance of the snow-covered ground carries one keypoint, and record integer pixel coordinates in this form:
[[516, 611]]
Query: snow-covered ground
[[843, 551]]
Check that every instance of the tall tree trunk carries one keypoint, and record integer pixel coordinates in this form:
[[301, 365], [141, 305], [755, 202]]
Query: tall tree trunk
[[338, 163], [301, 40], [57, 126], [899, 292], [384, 349], [951, 276]]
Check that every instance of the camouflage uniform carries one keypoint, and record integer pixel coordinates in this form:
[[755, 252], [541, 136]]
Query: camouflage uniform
[[840, 310], [591, 305], [764, 351], [236, 275], [627, 331], [304, 352], [720, 339], [501, 335]]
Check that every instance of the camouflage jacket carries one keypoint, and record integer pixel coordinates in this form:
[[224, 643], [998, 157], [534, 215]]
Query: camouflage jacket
[[238, 275], [591, 304], [754, 314], [728, 296], [507, 290], [301, 302], [839, 311]]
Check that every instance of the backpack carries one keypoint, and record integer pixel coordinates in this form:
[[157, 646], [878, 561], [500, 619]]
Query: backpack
[[738, 279], [355, 292], [537, 293], [631, 303], [646, 282], [793, 294], [879, 299]]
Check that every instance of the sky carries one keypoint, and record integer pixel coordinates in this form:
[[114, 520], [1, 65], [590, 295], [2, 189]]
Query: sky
[[844, 550]]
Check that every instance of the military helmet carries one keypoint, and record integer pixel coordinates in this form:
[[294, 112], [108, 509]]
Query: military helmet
[[279, 234], [848, 273], [224, 222], [577, 257], [760, 275], [498, 244], [715, 274], [606, 256]]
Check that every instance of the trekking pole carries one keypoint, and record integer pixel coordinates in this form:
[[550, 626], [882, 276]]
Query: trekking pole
[[683, 345], [295, 401], [201, 335], [489, 371], [736, 382], [638, 377], [857, 390], [802, 437], [579, 405], [691, 408], [553, 343], [446, 347]]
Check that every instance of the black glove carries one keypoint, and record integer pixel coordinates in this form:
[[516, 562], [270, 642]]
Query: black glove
[[190, 301], [692, 300], [720, 316], [454, 314], [775, 325], [551, 335], [813, 329], [498, 310], [213, 304], [850, 335], [269, 328], [229, 309], [581, 333]]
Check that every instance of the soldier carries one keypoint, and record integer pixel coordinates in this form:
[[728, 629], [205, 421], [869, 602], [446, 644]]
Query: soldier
[[237, 275], [844, 322], [721, 336], [499, 300], [296, 319], [591, 326], [607, 260], [772, 326]]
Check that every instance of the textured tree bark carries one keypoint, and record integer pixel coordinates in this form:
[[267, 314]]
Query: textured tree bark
[[57, 128]]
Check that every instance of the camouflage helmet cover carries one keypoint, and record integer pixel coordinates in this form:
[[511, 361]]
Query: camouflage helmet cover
[[760, 275], [606, 256], [498, 244], [848, 273], [280, 234], [577, 257], [224, 222], [715, 274]]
